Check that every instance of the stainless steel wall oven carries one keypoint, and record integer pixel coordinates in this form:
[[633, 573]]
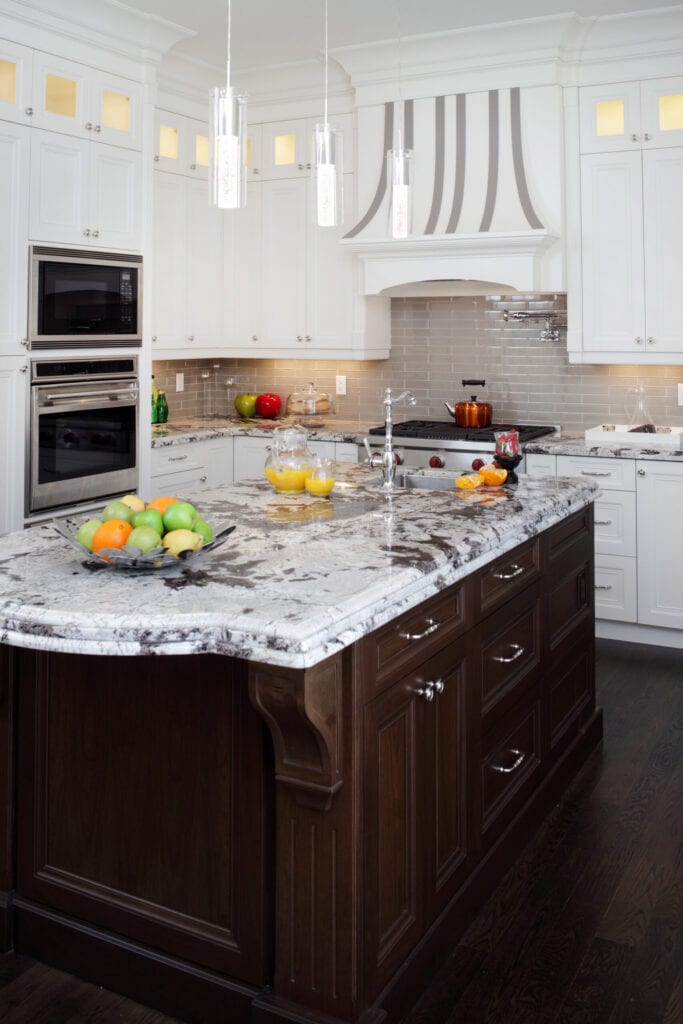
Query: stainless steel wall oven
[[83, 431], [83, 299]]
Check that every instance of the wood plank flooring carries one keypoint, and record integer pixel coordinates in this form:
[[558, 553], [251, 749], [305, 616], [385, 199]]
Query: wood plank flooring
[[586, 927]]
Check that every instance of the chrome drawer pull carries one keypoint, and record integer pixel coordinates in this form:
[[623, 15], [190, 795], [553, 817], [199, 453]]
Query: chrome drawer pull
[[517, 648], [517, 570], [588, 472], [603, 522], [439, 686], [431, 628], [602, 586], [519, 758], [427, 691], [176, 458]]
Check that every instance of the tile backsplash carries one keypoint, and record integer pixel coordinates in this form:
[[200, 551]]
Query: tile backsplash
[[436, 343]]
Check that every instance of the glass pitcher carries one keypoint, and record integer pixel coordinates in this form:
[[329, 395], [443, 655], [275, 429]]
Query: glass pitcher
[[289, 461]]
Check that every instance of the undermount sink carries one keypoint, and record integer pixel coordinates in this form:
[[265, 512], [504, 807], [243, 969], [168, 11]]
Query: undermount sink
[[410, 481]]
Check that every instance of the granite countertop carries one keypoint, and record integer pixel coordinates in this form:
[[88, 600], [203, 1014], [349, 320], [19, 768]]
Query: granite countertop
[[198, 428], [297, 580], [332, 429]]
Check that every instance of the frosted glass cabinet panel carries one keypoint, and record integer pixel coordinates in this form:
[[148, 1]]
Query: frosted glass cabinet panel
[[632, 115], [181, 145], [15, 82]]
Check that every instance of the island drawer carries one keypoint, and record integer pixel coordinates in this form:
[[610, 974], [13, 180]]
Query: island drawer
[[506, 577], [408, 640], [510, 763], [611, 474], [509, 646]]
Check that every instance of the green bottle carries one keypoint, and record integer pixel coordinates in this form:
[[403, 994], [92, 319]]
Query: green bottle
[[155, 417], [162, 408]]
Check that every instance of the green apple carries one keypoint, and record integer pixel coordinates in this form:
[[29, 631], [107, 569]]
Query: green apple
[[180, 516], [246, 404], [149, 517], [85, 533], [203, 529], [117, 510], [144, 537]]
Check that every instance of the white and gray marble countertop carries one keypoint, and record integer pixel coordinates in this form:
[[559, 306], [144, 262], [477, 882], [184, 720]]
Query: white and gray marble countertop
[[297, 580], [332, 429], [320, 428]]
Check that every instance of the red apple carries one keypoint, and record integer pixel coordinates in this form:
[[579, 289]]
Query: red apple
[[268, 406]]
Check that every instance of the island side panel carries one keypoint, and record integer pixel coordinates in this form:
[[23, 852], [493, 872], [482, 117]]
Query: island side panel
[[7, 809], [143, 806]]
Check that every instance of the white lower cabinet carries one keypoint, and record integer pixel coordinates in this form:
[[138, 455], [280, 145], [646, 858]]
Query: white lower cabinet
[[13, 398], [660, 543], [540, 465], [84, 193], [184, 470], [615, 588]]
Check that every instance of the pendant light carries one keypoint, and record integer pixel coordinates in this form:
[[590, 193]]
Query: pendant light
[[327, 142], [399, 164], [227, 140]]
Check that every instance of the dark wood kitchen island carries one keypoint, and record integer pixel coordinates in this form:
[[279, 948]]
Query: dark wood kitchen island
[[352, 723]]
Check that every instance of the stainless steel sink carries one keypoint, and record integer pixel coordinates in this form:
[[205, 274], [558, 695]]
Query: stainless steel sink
[[425, 482]]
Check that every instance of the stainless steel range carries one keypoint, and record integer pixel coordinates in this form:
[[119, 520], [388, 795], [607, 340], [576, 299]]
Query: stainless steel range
[[421, 444]]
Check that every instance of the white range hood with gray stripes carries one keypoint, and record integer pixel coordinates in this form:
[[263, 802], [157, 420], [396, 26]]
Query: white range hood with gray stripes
[[487, 202]]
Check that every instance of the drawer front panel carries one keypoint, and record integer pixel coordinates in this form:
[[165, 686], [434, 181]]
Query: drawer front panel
[[175, 459], [414, 636], [509, 765], [507, 576], [510, 650], [610, 474], [615, 524], [616, 593]]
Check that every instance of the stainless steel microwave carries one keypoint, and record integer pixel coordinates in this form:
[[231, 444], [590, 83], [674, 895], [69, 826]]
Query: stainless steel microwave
[[81, 299]]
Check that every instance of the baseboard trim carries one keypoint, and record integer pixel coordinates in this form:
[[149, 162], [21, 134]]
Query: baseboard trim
[[631, 632]]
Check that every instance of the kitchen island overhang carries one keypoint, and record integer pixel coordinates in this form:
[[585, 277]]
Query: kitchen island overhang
[[156, 839]]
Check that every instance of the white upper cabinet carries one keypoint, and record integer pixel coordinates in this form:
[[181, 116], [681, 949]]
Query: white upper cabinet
[[14, 163], [16, 63], [287, 150], [83, 194], [632, 115], [77, 100], [181, 145]]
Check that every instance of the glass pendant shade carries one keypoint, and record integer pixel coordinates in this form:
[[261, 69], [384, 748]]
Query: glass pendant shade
[[228, 151], [329, 176], [400, 166]]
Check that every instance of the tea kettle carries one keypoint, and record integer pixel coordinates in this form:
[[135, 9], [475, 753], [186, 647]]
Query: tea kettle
[[472, 413]]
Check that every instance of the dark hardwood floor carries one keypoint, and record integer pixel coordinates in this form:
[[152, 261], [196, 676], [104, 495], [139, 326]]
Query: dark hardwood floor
[[586, 927]]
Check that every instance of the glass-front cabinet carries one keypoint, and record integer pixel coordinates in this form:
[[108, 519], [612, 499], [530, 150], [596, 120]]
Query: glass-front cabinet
[[632, 115], [181, 144], [15, 82]]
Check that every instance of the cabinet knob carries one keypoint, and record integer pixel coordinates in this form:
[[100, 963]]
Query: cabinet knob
[[647, 136], [203, 479], [308, 337], [154, 337], [641, 472], [651, 341], [308, 167], [29, 111], [634, 137], [97, 128], [193, 167], [23, 369], [254, 337], [639, 341], [24, 342], [300, 167], [426, 691], [156, 158], [96, 234], [87, 232], [88, 126], [255, 170], [190, 337], [299, 337], [439, 686]]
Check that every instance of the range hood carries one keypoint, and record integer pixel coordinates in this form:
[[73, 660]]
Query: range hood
[[490, 263]]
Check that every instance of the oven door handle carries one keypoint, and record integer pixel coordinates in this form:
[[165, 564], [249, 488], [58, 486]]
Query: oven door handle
[[130, 392]]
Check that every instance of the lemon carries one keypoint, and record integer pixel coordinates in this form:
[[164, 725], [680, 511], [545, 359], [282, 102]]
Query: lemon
[[132, 501], [176, 541]]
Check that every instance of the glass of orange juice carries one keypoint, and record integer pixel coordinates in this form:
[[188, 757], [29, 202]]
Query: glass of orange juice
[[319, 479]]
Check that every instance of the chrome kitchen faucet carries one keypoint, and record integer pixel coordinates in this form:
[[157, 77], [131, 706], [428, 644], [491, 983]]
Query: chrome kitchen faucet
[[386, 459]]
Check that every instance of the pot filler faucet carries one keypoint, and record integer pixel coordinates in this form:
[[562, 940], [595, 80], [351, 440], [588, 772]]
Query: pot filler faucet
[[386, 460]]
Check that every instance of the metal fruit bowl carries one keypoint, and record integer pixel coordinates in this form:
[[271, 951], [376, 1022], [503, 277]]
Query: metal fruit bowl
[[132, 559]]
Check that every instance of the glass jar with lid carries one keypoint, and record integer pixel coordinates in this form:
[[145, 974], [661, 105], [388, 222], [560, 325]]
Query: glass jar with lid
[[289, 461]]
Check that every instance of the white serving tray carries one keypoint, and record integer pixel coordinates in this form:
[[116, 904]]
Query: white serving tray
[[671, 437]]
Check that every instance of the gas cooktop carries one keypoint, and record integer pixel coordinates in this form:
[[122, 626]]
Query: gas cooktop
[[437, 430]]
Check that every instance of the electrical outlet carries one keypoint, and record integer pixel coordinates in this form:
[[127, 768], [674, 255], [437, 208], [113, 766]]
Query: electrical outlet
[[180, 381], [680, 394], [341, 384]]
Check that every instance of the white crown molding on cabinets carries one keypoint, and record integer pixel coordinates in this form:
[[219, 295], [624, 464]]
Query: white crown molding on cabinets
[[512, 260], [112, 29], [562, 49]]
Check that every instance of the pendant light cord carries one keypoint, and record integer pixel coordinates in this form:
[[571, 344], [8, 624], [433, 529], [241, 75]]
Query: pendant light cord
[[326, 55], [229, 41]]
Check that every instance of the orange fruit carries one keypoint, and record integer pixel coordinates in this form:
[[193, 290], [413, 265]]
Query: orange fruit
[[469, 480], [112, 534], [493, 475], [161, 504]]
